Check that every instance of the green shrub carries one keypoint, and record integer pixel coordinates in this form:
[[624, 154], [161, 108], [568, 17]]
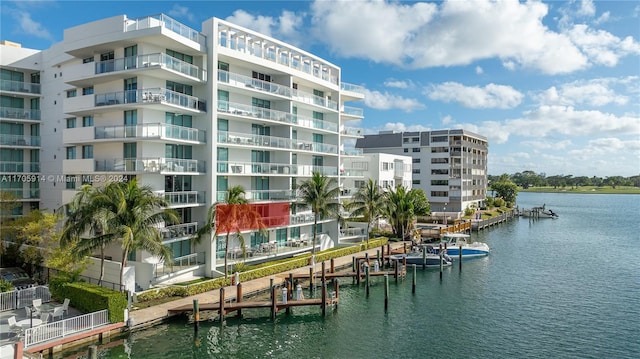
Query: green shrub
[[88, 298], [6, 286]]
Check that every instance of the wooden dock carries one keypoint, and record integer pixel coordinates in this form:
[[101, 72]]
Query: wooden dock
[[486, 223]]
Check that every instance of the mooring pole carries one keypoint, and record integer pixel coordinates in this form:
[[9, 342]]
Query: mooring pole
[[386, 292], [332, 268], [196, 316], [424, 257], [440, 253], [311, 280], [413, 285], [270, 285], [366, 274], [239, 298], [274, 305], [460, 257], [396, 270], [324, 299], [221, 304], [358, 273]]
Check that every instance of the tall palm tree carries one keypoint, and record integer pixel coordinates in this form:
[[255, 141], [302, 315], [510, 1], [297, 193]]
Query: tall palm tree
[[399, 210], [233, 215], [83, 218], [321, 194], [368, 203], [129, 213]]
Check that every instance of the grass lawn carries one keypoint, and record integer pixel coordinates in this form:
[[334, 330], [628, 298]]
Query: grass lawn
[[585, 189]]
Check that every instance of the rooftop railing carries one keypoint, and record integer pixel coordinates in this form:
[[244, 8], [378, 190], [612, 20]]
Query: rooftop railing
[[166, 22]]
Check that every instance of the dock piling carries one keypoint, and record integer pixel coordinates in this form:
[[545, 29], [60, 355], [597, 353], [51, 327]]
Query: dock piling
[[424, 258], [413, 285], [366, 274], [324, 299], [440, 253], [274, 306], [332, 268], [196, 316], [221, 304], [386, 291], [239, 298], [460, 257], [397, 263]]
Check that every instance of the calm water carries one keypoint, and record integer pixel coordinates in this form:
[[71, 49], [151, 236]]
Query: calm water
[[566, 288]]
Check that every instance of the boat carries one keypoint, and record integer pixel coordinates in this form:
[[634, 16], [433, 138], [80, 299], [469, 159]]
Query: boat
[[419, 254], [539, 212], [452, 242]]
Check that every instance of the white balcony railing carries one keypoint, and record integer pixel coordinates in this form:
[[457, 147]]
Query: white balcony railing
[[256, 84], [64, 328], [151, 130], [150, 60], [345, 86], [239, 168], [150, 164], [184, 230], [166, 22], [275, 142], [149, 96]]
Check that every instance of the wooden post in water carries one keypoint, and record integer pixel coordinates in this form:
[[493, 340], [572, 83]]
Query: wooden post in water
[[270, 285], [323, 305], [332, 268], [274, 305], [196, 316], [413, 284], [93, 352], [358, 274], [366, 274], [353, 263], [404, 265], [221, 304], [290, 287], [460, 257], [366, 257], [311, 280], [239, 298], [424, 257], [396, 270], [324, 278], [378, 256], [440, 253], [336, 287], [386, 292]]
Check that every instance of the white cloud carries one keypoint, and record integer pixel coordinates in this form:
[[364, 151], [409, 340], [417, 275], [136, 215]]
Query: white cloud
[[401, 127], [447, 120], [453, 33], [181, 12], [596, 92], [547, 145], [479, 70], [29, 26], [262, 24], [387, 101], [608, 145], [489, 96], [587, 8], [605, 17], [285, 27], [399, 84]]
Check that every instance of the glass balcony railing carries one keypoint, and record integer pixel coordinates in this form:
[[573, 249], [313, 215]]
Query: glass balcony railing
[[19, 113], [32, 193], [151, 130], [352, 152], [353, 111], [19, 167], [184, 197], [345, 86], [19, 86], [184, 230], [306, 97], [274, 142], [168, 23], [352, 131], [149, 60], [151, 95], [261, 168], [264, 195], [249, 82], [273, 115], [150, 165], [19, 140]]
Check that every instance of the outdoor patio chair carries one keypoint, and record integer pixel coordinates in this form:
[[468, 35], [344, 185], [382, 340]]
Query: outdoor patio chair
[[45, 318], [65, 305], [58, 312], [31, 312], [13, 326], [37, 303]]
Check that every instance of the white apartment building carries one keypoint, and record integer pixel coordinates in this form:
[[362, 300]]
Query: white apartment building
[[385, 169], [449, 165], [190, 113]]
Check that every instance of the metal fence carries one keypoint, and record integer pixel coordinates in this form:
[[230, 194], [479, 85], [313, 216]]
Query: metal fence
[[64, 328], [21, 298]]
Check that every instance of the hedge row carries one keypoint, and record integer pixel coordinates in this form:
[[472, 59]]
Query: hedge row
[[263, 271], [89, 298]]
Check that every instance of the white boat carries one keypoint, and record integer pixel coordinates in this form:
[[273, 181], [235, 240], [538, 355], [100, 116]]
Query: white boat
[[420, 255], [454, 241], [539, 212]]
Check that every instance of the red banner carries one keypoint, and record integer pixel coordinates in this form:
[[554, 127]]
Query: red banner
[[242, 217]]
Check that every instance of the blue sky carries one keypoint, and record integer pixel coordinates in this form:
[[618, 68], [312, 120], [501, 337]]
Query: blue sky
[[554, 85]]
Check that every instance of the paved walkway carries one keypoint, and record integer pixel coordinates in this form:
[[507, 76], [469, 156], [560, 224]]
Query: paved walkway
[[148, 316]]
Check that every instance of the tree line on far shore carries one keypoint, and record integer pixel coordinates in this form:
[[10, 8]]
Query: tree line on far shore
[[528, 179]]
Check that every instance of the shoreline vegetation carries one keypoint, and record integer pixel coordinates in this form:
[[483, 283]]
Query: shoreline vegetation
[[584, 189]]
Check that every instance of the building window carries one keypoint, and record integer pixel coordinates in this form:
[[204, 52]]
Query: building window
[[415, 160], [70, 182], [415, 149], [258, 102], [87, 90], [72, 93], [180, 56], [87, 151], [260, 76], [416, 182], [71, 153], [87, 121], [87, 60], [440, 172], [71, 122], [416, 171], [406, 150]]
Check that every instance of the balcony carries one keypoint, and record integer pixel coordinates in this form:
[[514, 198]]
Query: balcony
[[247, 82], [352, 112], [263, 195], [168, 23], [243, 139], [153, 61], [312, 99], [151, 130], [19, 140], [20, 114], [23, 195], [179, 231], [183, 198], [352, 152], [19, 167], [243, 110], [353, 132], [253, 168], [20, 87], [150, 165], [352, 172], [151, 96]]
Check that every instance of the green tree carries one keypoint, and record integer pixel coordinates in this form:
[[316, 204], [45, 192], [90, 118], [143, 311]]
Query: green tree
[[505, 189], [131, 214], [320, 193], [367, 203], [233, 215], [400, 210]]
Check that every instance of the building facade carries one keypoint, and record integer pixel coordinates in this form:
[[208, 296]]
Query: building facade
[[449, 165], [192, 113]]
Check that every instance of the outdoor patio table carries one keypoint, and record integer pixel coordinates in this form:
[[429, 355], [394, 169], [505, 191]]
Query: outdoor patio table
[[29, 323]]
